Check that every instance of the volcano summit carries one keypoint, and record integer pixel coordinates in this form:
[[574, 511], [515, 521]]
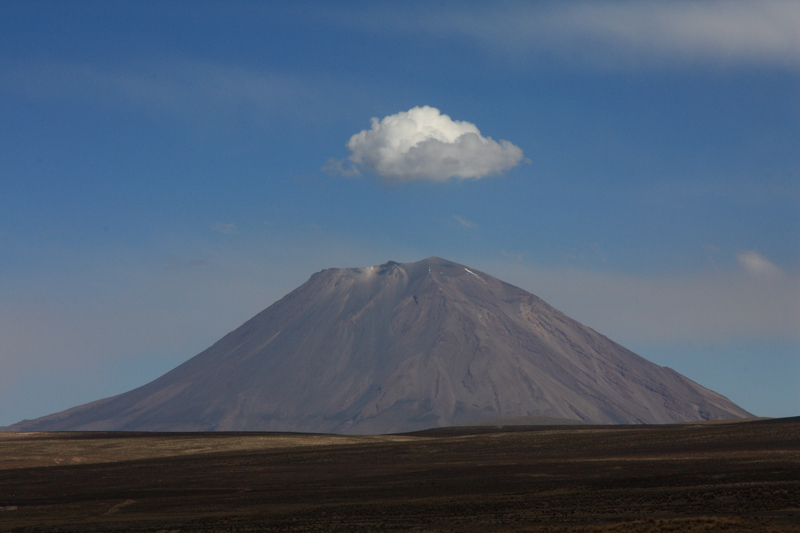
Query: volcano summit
[[401, 347]]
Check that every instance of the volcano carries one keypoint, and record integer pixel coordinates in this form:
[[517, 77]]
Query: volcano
[[402, 347]]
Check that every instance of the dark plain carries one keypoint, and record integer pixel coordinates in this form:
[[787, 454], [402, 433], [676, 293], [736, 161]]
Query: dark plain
[[720, 476]]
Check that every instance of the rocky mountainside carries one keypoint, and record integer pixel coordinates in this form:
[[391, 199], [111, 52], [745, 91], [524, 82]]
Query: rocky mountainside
[[401, 347]]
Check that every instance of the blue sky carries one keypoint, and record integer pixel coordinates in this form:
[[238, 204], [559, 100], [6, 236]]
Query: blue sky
[[168, 169]]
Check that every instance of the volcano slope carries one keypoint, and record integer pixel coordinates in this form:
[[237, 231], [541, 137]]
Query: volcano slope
[[401, 347]]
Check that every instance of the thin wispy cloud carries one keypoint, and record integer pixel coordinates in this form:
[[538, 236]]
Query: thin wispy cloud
[[423, 144], [464, 223], [225, 228], [613, 33], [758, 265], [718, 306], [176, 262], [177, 86]]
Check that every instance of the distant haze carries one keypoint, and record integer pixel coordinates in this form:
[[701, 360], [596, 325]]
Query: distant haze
[[402, 347]]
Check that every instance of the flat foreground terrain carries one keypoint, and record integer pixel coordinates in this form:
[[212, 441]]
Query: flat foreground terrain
[[704, 477]]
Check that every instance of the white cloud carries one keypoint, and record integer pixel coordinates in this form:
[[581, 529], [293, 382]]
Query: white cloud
[[615, 33], [423, 144], [758, 265]]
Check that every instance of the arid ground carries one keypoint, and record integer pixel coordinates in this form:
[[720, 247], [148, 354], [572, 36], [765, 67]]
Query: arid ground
[[693, 477]]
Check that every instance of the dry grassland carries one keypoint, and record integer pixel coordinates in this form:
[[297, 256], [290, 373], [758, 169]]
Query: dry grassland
[[20, 450], [646, 479]]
